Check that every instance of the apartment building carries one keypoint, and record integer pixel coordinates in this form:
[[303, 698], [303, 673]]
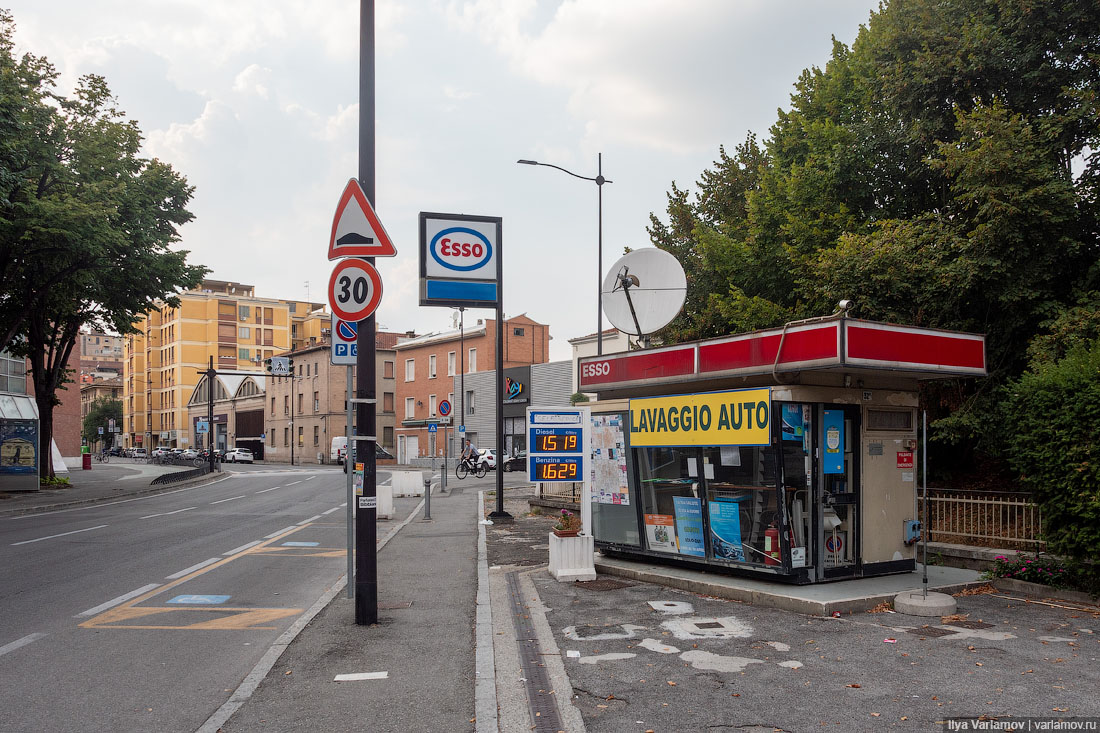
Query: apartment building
[[109, 389], [219, 322], [100, 356], [426, 367]]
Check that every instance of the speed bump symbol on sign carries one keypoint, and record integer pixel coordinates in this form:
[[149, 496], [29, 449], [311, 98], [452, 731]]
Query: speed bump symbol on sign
[[354, 289]]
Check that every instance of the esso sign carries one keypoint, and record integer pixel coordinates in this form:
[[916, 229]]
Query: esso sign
[[596, 369], [461, 249]]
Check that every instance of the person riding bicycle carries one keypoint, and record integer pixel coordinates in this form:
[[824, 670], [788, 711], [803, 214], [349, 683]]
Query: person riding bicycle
[[469, 455]]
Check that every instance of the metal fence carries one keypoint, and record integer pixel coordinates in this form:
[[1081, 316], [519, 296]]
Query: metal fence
[[983, 518], [561, 491]]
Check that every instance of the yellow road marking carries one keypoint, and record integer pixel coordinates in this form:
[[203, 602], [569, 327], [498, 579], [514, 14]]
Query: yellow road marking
[[234, 618]]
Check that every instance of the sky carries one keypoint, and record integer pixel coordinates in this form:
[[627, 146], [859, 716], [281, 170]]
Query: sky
[[256, 104]]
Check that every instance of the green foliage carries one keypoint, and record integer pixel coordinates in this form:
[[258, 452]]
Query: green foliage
[[578, 397], [1052, 416], [54, 481], [99, 412], [1037, 569]]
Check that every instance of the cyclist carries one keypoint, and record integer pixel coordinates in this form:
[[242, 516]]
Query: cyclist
[[469, 455]]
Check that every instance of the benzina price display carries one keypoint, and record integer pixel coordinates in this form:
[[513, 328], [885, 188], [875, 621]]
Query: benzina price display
[[556, 469], [555, 440]]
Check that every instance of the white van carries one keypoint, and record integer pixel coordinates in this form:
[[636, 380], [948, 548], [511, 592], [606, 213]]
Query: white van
[[339, 445]]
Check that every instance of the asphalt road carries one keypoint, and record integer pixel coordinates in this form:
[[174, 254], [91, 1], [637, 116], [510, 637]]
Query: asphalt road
[[145, 614]]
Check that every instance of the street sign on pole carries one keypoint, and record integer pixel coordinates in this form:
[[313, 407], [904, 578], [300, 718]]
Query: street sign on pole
[[356, 230], [354, 289], [444, 408], [344, 346], [432, 428], [462, 428]]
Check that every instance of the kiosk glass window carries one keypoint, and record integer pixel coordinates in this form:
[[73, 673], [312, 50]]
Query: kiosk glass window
[[672, 504], [614, 503], [741, 502]]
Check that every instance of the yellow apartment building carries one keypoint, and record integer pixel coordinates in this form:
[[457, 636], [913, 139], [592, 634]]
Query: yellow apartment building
[[219, 320]]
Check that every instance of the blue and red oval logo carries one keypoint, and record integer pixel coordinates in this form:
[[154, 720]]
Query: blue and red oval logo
[[460, 248]]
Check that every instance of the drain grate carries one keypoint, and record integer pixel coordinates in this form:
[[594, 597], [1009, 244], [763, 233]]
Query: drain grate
[[930, 631], [602, 584], [968, 624], [709, 625], [540, 700]]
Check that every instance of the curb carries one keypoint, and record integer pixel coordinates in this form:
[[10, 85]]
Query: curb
[[1038, 590], [161, 489]]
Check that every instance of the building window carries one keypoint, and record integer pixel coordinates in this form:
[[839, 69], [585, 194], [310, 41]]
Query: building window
[[387, 370], [387, 402], [301, 402], [517, 331], [387, 436], [410, 408], [292, 307], [243, 311], [316, 434], [243, 332], [307, 370], [301, 436], [471, 362], [286, 436], [286, 405], [316, 401], [244, 354], [431, 367], [272, 405], [469, 402], [431, 405], [410, 370], [450, 363]]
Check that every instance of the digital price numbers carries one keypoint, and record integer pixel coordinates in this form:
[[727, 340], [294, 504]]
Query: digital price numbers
[[556, 469], [556, 440]]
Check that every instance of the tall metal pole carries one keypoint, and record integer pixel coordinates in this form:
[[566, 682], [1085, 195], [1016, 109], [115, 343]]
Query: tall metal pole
[[599, 260], [462, 371], [210, 375], [293, 438], [348, 475]]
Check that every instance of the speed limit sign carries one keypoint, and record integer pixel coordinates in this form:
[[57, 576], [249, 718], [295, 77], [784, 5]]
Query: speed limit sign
[[354, 290]]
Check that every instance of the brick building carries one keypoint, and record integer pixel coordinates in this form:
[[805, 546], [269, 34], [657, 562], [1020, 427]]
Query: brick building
[[426, 366]]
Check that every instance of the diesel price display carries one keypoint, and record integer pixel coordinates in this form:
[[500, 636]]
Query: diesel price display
[[555, 440]]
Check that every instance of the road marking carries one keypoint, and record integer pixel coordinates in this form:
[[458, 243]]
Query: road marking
[[242, 548], [311, 478], [330, 511], [121, 599], [156, 495], [294, 482], [63, 534], [165, 514], [361, 676], [284, 529], [19, 643], [221, 501], [264, 491], [301, 544], [311, 519], [193, 568], [192, 600]]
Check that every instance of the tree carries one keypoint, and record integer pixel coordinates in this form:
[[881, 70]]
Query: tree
[[86, 222], [100, 413]]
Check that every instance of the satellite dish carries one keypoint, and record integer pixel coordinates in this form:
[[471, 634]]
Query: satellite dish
[[644, 291]]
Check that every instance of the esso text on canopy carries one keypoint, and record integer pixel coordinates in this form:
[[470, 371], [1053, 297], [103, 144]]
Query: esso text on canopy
[[595, 369], [460, 248]]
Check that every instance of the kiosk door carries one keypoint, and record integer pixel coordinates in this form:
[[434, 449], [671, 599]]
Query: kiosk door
[[838, 477]]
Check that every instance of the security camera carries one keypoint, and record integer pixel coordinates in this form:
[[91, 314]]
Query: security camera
[[843, 306]]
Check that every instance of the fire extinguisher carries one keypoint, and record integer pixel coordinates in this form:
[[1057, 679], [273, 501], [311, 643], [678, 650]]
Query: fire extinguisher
[[772, 552]]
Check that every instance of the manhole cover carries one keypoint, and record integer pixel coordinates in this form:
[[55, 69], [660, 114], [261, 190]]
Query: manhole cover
[[709, 625], [930, 631], [393, 606], [970, 624], [603, 584]]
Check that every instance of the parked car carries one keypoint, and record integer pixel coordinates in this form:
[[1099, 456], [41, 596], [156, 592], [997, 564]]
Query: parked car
[[488, 456], [238, 455], [379, 454], [116, 451], [161, 452], [189, 453], [339, 446], [138, 453], [518, 462]]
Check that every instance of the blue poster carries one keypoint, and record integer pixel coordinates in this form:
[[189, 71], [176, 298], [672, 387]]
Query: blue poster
[[689, 525], [792, 422], [19, 446], [725, 529], [833, 425]]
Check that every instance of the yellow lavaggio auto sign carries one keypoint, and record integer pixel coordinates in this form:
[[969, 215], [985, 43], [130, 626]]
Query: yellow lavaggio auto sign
[[739, 417]]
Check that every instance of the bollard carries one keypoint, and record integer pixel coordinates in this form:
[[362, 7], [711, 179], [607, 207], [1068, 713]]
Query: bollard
[[428, 497]]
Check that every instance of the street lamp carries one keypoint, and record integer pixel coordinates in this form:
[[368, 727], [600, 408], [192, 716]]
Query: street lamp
[[599, 180]]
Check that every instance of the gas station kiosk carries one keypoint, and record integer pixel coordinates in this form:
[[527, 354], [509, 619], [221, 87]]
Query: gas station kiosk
[[788, 453]]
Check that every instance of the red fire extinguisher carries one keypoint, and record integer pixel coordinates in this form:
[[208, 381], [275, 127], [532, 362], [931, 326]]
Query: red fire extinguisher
[[772, 552]]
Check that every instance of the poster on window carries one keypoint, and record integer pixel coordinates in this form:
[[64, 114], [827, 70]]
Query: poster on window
[[660, 531], [833, 424], [18, 446], [689, 525], [608, 471], [792, 423], [725, 529]]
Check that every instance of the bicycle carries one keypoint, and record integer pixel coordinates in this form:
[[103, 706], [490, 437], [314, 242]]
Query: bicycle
[[101, 457], [463, 469]]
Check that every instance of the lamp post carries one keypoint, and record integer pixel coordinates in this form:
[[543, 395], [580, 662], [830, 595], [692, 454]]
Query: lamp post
[[599, 180]]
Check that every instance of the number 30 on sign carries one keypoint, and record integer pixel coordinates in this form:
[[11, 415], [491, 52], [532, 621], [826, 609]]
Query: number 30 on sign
[[354, 289]]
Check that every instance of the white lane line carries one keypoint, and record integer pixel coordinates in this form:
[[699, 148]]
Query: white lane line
[[314, 518], [86, 507], [121, 599], [193, 568], [284, 529], [220, 501], [242, 548], [311, 478], [294, 482], [361, 676], [63, 534], [19, 642], [165, 514], [264, 491], [343, 505], [330, 511]]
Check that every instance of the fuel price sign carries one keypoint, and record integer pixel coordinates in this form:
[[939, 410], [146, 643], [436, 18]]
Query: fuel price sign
[[557, 443]]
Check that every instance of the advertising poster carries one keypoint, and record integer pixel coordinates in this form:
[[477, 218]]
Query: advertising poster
[[660, 530], [792, 422], [725, 529], [689, 525], [608, 472], [19, 446], [834, 441]]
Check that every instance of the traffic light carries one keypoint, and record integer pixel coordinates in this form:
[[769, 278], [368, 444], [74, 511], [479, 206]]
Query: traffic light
[[267, 365]]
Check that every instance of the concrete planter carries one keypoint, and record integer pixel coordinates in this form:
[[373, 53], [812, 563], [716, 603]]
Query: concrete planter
[[1038, 590], [571, 558]]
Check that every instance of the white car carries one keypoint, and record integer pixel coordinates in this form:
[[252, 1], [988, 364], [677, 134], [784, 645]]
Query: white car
[[161, 452], [238, 455], [488, 456], [189, 453], [138, 453]]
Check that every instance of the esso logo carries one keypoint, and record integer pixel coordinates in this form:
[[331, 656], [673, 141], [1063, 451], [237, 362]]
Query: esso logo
[[596, 369], [460, 248]]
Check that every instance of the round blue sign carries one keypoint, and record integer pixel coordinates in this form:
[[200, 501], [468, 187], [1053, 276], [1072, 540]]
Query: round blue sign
[[444, 408]]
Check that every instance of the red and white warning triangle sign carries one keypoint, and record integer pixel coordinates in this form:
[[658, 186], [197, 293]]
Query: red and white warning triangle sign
[[356, 231]]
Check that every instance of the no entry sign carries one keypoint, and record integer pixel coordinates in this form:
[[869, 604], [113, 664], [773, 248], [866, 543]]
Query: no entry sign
[[354, 289]]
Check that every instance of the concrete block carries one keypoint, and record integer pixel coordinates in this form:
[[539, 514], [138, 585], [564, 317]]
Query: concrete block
[[407, 483], [571, 557], [914, 603], [385, 501]]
